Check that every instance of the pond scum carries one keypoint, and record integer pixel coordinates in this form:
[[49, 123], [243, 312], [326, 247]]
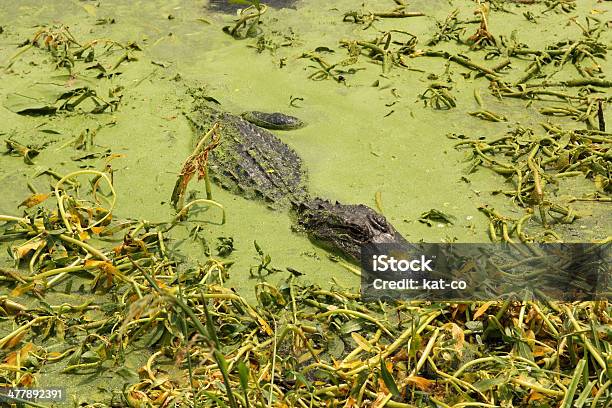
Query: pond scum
[[299, 345]]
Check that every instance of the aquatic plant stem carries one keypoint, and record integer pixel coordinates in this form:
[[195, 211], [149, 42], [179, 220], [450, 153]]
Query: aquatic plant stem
[[23, 328], [273, 366], [459, 60], [586, 341], [88, 248], [355, 313], [60, 197], [10, 218], [186, 208]]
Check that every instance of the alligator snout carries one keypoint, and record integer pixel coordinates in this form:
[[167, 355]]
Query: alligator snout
[[274, 121], [347, 227]]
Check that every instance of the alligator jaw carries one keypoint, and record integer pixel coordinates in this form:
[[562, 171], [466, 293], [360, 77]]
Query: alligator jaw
[[346, 227]]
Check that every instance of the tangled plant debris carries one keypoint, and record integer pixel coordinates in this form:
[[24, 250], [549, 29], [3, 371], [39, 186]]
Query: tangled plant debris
[[88, 290], [299, 345]]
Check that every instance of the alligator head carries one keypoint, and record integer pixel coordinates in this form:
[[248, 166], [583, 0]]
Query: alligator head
[[346, 227]]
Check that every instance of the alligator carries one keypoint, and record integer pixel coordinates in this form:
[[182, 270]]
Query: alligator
[[225, 6], [252, 162]]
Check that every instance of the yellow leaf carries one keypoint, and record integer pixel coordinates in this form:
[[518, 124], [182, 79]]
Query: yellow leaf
[[109, 268], [27, 380], [137, 399], [161, 398], [457, 334], [600, 182], [15, 340], [539, 351], [83, 235], [421, 383], [20, 290], [90, 9], [115, 156], [33, 200], [349, 365], [31, 245], [535, 396], [382, 397], [91, 264], [351, 402], [362, 342], [22, 353], [482, 309], [97, 230]]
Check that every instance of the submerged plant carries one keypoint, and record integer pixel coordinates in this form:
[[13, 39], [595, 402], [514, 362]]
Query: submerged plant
[[66, 51], [532, 162], [386, 50], [438, 96], [447, 30], [248, 21], [196, 163], [483, 36], [368, 17]]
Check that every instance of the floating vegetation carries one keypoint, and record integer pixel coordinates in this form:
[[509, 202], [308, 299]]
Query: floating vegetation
[[386, 49], [448, 30], [438, 97], [325, 70], [436, 216], [488, 115], [196, 163], [566, 6], [83, 61], [483, 37], [66, 51], [248, 21], [369, 17], [590, 111], [530, 162], [490, 72], [28, 153], [274, 40], [51, 98], [298, 345], [88, 295]]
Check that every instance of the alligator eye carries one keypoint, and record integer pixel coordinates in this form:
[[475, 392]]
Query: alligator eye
[[379, 222]]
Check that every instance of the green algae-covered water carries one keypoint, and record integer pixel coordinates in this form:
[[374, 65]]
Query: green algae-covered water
[[369, 133]]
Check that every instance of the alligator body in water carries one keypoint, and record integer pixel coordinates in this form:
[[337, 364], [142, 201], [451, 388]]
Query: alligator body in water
[[252, 162], [227, 6]]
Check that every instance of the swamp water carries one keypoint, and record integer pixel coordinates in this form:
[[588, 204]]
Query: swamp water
[[373, 134]]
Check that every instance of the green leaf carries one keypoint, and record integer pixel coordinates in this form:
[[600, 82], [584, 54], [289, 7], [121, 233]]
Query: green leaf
[[433, 215], [488, 383], [388, 379], [243, 373], [258, 248], [300, 379], [586, 393], [222, 363], [571, 390], [215, 399], [361, 379]]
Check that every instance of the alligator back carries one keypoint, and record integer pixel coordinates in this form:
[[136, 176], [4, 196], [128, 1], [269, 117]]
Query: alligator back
[[250, 161]]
